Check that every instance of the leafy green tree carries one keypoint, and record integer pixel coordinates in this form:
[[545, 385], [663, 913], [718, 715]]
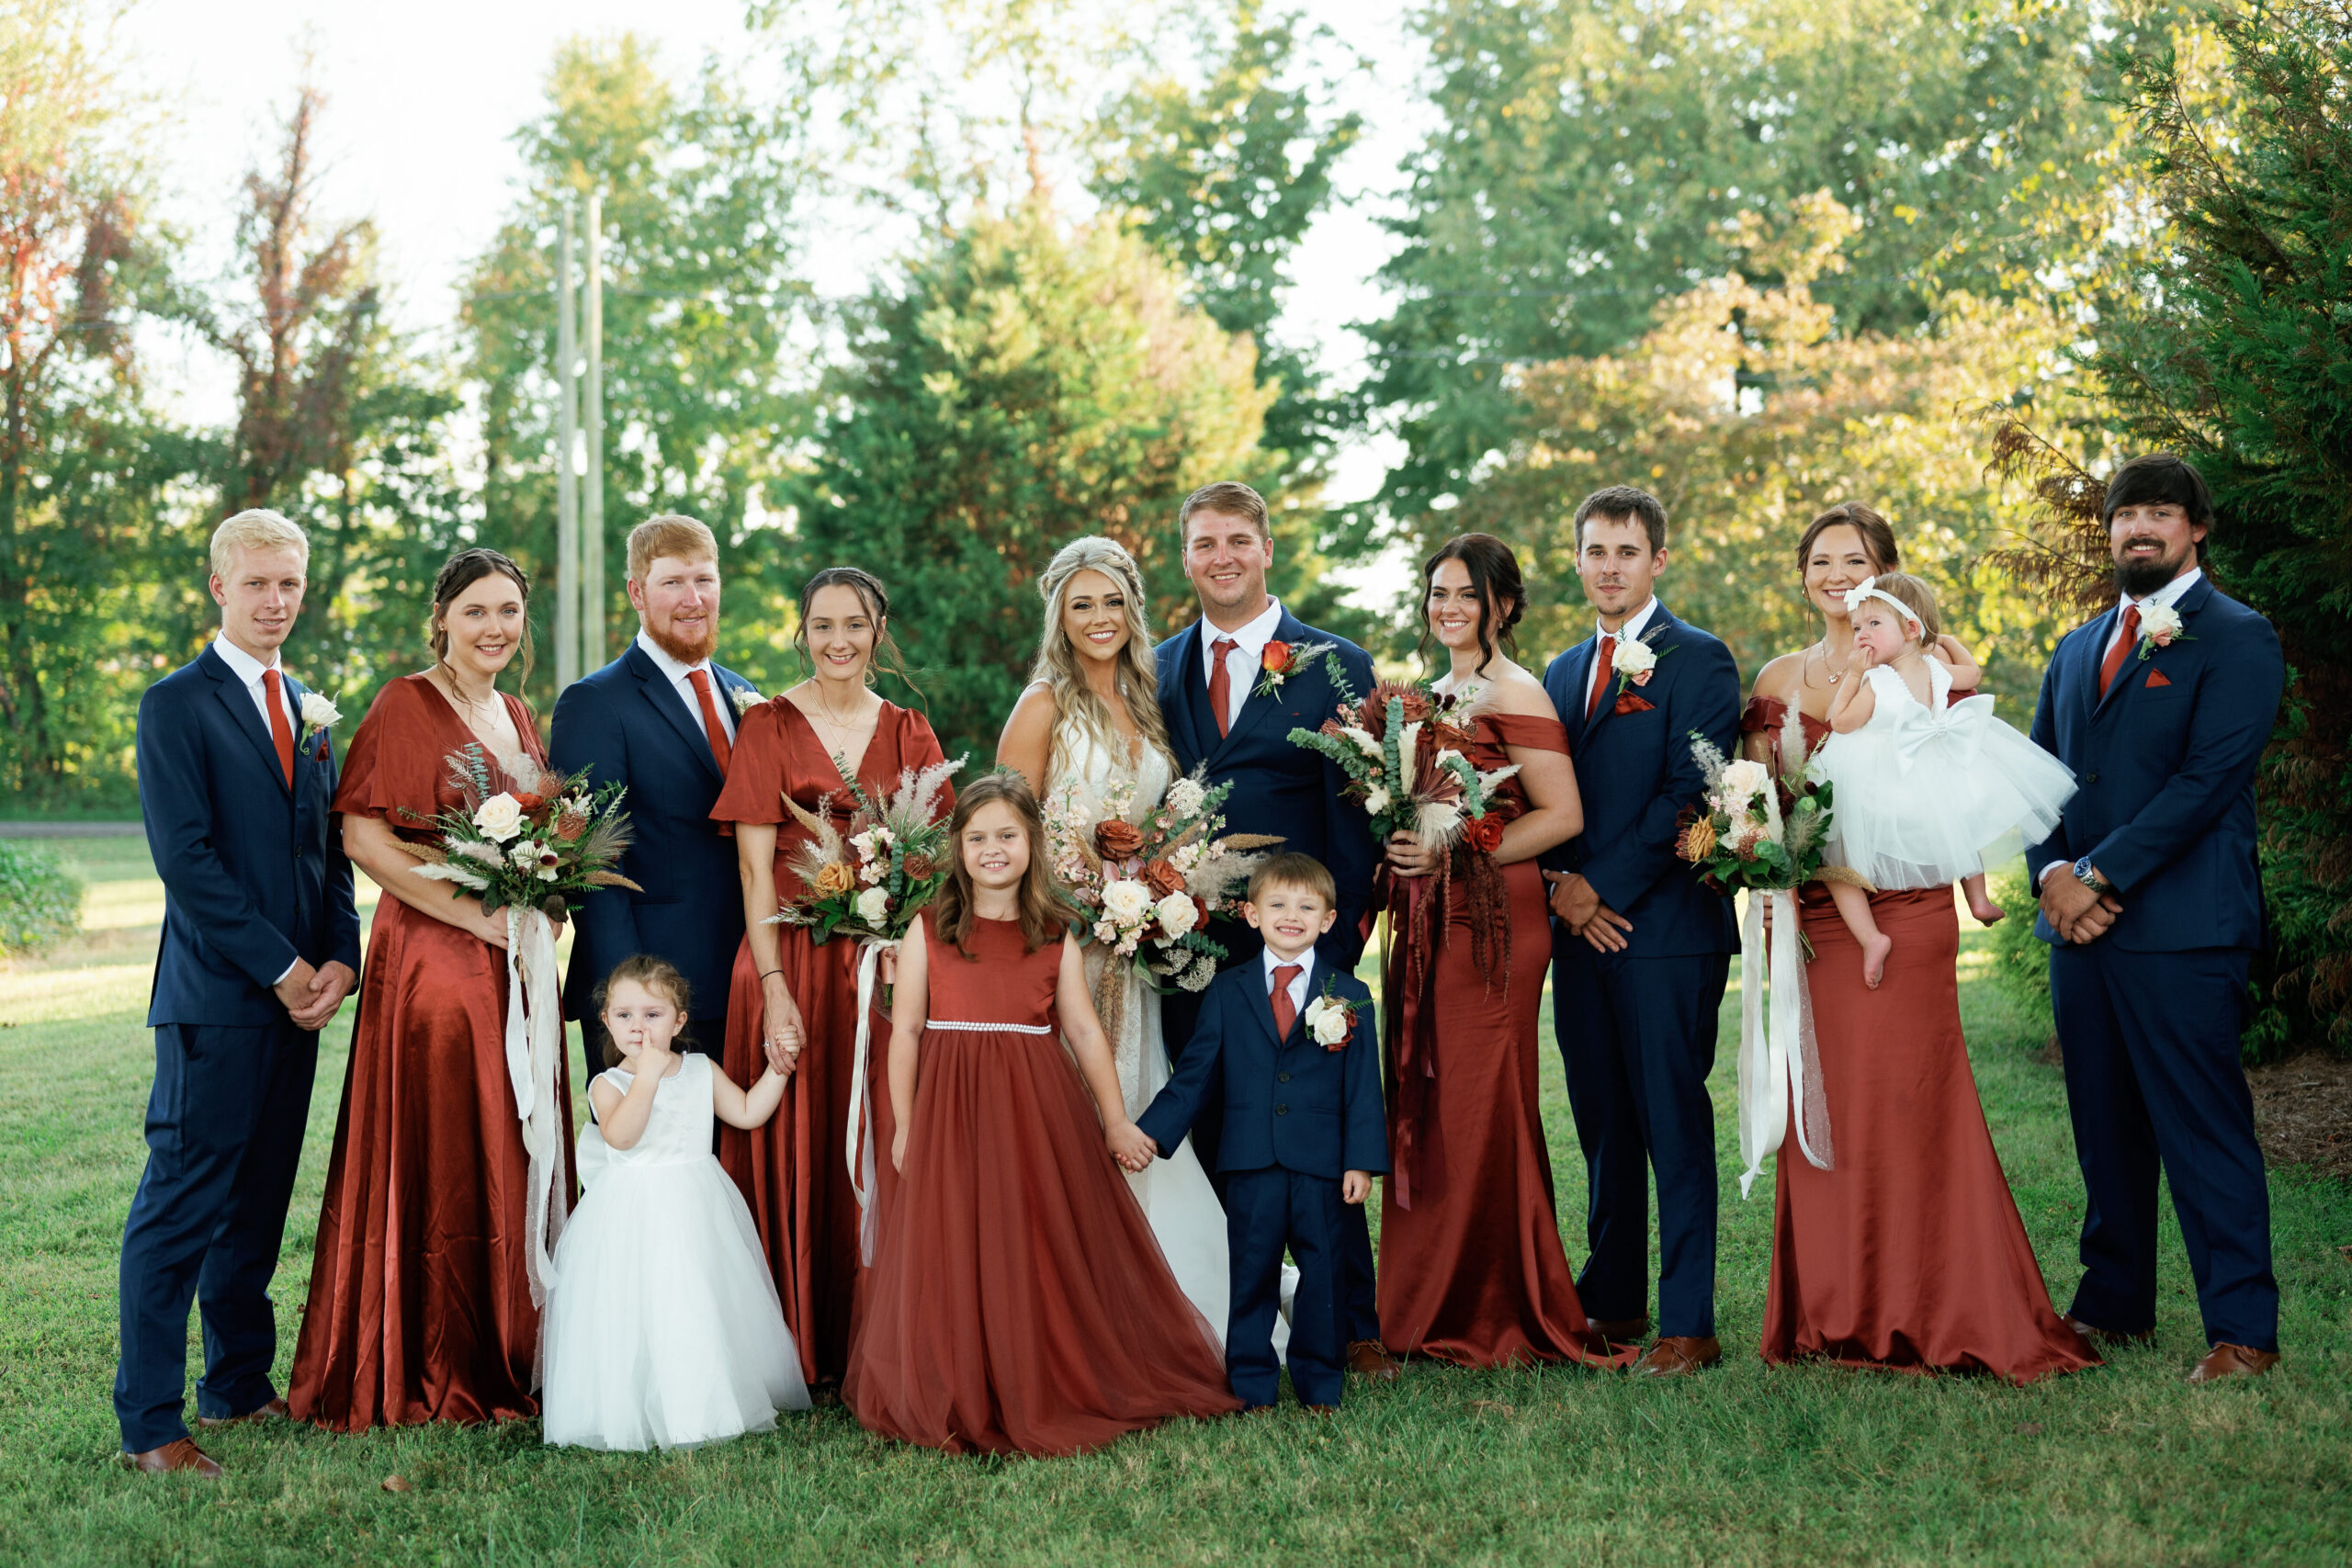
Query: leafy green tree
[[1595, 156], [1024, 384]]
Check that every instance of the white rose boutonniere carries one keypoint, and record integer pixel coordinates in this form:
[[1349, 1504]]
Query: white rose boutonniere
[[1331, 1020], [2159, 627], [1635, 659], [745, 699], [500, 818], [319, 715]]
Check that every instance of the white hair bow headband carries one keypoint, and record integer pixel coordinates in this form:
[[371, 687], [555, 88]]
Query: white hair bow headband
[[1857, 597]]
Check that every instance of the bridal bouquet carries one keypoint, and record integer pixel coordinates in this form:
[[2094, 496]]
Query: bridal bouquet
[[1145, 888], [1405, 752], [533, 844]]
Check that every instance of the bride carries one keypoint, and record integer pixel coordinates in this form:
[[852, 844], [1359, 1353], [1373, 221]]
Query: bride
[[1089, 722]]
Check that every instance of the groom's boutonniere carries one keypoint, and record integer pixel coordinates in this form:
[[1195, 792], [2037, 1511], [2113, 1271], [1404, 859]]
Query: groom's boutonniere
[[319, 715], [1280, 659], [2160, 628], [1331, 1017], [1635, 659], [745, 699]]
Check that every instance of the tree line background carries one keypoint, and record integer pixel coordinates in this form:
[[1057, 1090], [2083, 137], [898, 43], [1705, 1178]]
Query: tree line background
[[1952, 258]]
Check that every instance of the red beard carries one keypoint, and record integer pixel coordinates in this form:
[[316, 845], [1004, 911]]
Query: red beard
[[687, 652]]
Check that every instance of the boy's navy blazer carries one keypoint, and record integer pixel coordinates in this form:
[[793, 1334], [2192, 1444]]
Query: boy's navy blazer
[[254, 872], [1636, 775], [1278, 787], [1287, 1102], [628, 723], [2164, 773]]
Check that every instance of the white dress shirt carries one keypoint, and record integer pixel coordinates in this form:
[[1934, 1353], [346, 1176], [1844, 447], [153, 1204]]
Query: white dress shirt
[[1243, 661], [681, 683], [1631, 629], [1305, 962], [249, 669]]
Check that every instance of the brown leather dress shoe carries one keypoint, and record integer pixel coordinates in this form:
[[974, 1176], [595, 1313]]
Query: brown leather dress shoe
[[1320, 1409], [274, 1411], [1624, 1330], [1681, 1355], [2233, 1361], [183, 1455], [1370, 1359], [2109, 1336]]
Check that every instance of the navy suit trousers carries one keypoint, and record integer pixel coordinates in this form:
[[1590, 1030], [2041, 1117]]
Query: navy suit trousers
[[2153, 1077], [224, 1126], [1637, 1036], [1267, 1210]]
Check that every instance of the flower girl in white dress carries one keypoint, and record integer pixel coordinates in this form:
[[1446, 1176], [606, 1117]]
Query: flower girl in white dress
[[1922, 784], [663, 1327]]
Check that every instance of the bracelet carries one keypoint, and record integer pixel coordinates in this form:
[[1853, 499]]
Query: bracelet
[[767, 974]]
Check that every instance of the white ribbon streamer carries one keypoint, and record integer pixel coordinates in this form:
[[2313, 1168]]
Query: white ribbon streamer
[[1779, 1065], [533, 1051], [858, 1137]]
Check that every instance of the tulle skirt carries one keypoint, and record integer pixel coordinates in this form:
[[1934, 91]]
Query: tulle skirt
[[663, 1329], [1920, 806]]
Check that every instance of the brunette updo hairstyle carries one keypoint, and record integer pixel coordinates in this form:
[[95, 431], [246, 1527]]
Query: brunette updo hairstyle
[[460, 572], [1494, 575], [868, 588], [1878, 535]]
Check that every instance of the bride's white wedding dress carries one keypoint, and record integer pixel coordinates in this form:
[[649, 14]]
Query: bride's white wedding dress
[[1175, 1192]]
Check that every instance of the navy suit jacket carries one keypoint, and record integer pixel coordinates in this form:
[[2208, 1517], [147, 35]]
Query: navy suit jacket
[[254, 872], [1287, 1102], [1636, 774], [626, 723], [1278, 787], [2164, 773]]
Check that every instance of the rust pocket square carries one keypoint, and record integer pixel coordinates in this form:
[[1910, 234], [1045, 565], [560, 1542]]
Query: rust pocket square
[[1628, 702], [2155, 679]]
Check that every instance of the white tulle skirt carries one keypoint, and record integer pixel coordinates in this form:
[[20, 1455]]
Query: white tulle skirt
[[1921, 804], [663, 1329]]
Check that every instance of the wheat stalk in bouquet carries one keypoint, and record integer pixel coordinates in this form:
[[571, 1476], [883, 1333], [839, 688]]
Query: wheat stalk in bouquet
[[870, 881]]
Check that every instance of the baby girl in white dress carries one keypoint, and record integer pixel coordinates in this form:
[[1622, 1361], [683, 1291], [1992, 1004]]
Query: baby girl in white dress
[[1921, 784]]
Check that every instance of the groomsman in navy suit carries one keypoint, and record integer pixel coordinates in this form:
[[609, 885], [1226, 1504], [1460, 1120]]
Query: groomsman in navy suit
[[661, 718], [260, 946], [2152, 899], [1640, 947], [1210, 679]]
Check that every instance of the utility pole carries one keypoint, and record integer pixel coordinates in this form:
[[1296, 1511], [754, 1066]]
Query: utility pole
[[591, 520], [568, 639]]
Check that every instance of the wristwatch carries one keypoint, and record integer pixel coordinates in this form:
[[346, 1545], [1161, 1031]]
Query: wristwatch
[[2090, 878]]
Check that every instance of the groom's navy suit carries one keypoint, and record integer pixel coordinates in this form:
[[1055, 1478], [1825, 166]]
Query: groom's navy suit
[[628, 723], [253, 878], [1297, 1117], [1284, 789], [1637, 1028], [2149, 1014]]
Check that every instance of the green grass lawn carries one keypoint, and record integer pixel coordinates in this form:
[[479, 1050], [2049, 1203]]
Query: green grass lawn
[[1811, 1465]]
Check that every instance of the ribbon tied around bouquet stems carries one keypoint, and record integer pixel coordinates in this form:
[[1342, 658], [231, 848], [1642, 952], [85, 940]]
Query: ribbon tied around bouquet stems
[[1779, 1066], [534, 1052]]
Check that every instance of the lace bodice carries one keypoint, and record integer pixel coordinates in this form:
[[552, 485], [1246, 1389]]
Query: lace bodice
[[1096, 769]]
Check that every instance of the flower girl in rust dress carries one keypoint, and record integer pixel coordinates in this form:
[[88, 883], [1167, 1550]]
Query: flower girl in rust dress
[[1018, 1300]]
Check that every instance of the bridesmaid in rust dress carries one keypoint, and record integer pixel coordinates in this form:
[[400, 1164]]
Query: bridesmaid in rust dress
[[1472, 1269], [1910, 1252], [420, 1306], [793, 1002], [1019, 1302]]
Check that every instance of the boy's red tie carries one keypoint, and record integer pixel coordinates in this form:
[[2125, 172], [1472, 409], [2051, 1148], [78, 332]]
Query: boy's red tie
[[1285, 1010]]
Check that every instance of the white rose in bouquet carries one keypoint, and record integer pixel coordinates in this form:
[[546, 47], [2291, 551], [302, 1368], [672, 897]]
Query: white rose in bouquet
[[874, 906], [500, 817], [1177, 914], [1743, 781], [1126, 901]]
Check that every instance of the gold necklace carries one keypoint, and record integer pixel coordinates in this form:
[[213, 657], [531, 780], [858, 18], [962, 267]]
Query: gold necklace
[[839, 726], [1822, 647], [474, 707]]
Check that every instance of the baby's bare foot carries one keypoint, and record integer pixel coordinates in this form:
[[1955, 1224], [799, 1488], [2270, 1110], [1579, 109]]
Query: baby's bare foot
[[1984, 910], [1875, 952]]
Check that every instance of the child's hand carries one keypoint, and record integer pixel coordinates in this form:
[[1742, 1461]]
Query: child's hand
[[898, 1150], [1131, 1147], [1355, 1186]]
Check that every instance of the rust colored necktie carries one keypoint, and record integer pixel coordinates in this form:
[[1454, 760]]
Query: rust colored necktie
[[1285, 1011], [1221, 684], [280, 730], [2122, 646], [720, 749], [1601, 671]]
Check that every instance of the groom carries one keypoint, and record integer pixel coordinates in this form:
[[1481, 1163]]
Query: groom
[[260, 946], [1641, 948], [1211, 676], [2151, 894]]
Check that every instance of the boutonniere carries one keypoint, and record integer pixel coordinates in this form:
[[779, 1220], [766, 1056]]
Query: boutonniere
[[1628, 702], [1635, 659], [745, 699], [319, 715], [1331, 1017], [1274, 665], [2160, 628]]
